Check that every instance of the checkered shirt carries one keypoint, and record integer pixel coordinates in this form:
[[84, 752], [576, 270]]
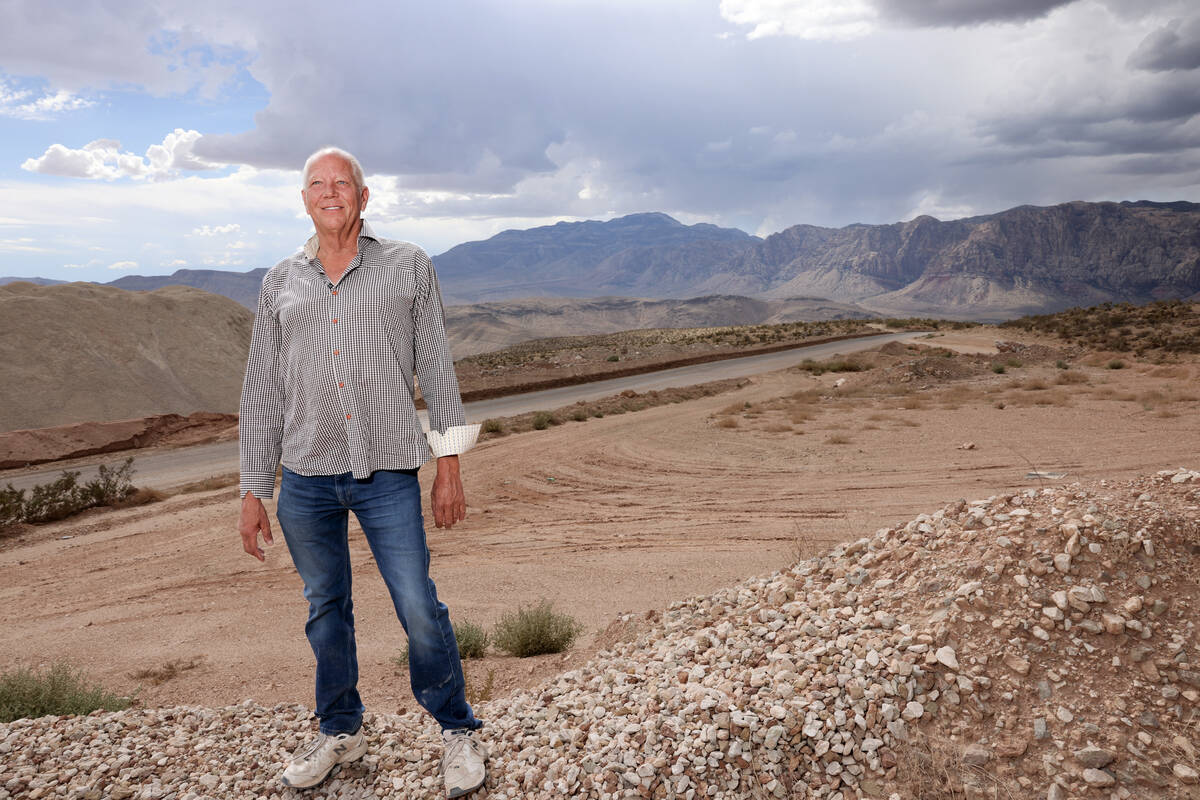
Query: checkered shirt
[[329, 380]]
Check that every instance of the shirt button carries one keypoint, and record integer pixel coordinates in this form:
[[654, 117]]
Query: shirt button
[[347, 416], [335, 291], [341, 385], [335, 352], [335, 320]]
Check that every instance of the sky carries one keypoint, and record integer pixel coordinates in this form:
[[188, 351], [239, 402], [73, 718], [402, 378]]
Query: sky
[[141, 137]]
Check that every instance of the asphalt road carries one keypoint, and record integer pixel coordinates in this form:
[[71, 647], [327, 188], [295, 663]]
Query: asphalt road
[[166, 468]]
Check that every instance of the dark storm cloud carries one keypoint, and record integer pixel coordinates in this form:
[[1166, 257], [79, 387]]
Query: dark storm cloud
[[952, 13], [1175, 46], [534, 109]]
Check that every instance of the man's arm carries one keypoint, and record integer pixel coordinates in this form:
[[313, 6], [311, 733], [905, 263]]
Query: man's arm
[[260, 427], [448, 435]]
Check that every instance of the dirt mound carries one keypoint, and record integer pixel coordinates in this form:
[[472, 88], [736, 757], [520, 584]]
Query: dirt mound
[[41, 445], [1039, 644], [81, 352]]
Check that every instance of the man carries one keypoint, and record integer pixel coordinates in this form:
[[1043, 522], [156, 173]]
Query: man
[[342, 327]]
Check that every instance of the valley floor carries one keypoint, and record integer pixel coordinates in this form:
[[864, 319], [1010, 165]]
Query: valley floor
[[621, 514]]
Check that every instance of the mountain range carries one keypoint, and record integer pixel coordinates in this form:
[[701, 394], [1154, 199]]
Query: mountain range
[[1024, 260]]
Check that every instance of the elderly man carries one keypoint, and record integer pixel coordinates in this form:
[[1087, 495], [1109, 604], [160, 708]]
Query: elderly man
[[341, 328]]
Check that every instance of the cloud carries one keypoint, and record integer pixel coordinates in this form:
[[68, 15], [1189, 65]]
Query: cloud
[[1174, 46], [953, 13], [217, 230], [103, 159], [123, 265], [851, 19], [17, 103]]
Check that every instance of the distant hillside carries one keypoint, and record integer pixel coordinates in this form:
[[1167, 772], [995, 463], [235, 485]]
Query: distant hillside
[[240, 286], [644, 255], [37, 281], [1021, 261], [85, 352], [491, 326]]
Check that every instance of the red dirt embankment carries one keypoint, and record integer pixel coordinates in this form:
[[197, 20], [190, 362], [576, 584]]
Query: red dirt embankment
[[42, 445]]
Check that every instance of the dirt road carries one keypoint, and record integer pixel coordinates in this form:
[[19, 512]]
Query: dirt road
[[164, 468]]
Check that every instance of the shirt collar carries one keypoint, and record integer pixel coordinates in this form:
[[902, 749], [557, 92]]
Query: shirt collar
[[312, 245]]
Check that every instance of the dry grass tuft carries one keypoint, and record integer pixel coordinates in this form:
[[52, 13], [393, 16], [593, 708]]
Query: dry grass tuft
[[156, 676], [932, 768], [727, 422], [838, 438]]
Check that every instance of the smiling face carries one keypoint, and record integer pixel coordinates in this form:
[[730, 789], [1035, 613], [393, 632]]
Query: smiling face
[[331, 197]]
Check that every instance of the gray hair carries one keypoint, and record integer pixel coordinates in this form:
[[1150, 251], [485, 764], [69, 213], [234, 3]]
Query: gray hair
[[355, 168]]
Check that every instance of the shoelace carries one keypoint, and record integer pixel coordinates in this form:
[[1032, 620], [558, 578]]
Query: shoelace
[[314, 746], [455, 745]]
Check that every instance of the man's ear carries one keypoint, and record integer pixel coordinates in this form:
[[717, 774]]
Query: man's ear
[[365, 194]]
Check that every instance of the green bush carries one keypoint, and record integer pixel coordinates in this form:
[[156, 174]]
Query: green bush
[[472, 639], [472, 642], [58, 691], [493, 426], [535, 630], [543, 420], [614, 358], [1116, 363], [1060, 364], [998, 369], [580, 415], [64, 497]]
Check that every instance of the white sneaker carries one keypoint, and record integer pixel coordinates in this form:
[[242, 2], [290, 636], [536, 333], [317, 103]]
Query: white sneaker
[[463, 760], [312, 763]]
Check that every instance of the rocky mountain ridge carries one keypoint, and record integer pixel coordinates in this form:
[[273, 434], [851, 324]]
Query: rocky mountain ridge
[[1026, 260]]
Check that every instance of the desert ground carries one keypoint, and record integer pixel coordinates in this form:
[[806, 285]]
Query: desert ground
[[621, 514]]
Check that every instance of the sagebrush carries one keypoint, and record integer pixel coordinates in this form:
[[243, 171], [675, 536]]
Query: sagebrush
[[535, 630], [65, 496], [59, 690]]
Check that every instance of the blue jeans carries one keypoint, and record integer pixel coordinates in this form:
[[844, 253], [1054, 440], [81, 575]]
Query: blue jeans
[[313, 513]]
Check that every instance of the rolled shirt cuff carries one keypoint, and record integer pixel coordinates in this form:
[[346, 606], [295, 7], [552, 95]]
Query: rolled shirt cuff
[[261, 486], [457, 439]]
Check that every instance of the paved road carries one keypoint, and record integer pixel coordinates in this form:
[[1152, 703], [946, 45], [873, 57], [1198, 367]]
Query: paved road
[[164, 468]]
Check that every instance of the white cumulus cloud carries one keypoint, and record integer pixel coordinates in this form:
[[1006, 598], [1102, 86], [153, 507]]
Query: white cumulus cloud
[[123, 265], [103, 159]]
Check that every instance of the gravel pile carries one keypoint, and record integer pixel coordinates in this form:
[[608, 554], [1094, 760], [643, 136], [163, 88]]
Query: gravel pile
[[1044, 642]]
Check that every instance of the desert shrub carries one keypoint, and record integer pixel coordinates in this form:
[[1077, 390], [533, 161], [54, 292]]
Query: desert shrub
[[535, 630], [12, 505], [579, 414], [614, 358], [471, 638], [1013, 362], [493, 426], [64, 496], [821, 367], [60, 690], [727, 422], [838, 438], [543, 420], [1116, 363], [998, 369], [1060, 364]]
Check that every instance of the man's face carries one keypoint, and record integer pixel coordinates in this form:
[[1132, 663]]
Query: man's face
[[330, 196]]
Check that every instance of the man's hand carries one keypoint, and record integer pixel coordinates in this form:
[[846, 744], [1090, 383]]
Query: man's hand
[[254, 519], [447, 498]]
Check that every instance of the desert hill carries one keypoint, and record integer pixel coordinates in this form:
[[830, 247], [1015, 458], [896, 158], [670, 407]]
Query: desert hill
[[490, 326], [85, 352]]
